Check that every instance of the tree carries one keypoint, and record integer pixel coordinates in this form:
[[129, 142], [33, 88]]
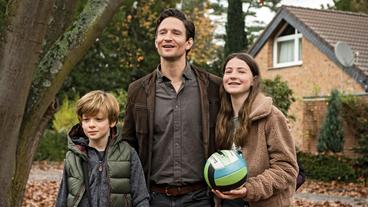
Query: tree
[[350, 5], [236, 37], [331, 137], [240, 34], [124, 52], [204, 50], [29, 83]]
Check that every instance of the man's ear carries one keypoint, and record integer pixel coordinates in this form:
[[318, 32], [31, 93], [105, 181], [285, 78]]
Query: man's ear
[[156, 46], [189, 44]]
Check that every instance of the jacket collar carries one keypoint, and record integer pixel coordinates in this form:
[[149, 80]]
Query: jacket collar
[[261, 107]]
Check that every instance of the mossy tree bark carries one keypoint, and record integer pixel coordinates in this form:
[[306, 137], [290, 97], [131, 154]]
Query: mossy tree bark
[[29, 83]]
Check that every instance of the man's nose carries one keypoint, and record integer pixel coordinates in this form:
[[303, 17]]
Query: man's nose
[[168, 37]]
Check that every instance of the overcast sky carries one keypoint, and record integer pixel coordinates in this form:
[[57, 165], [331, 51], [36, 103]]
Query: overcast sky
[[265, 15]]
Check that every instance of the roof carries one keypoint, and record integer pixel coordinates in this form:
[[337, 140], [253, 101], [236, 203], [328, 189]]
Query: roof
[[324, 28]]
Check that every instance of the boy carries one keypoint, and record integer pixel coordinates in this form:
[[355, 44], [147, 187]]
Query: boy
[[97, 155]]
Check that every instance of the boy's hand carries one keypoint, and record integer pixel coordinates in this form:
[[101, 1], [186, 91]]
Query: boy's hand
[[240, 192]]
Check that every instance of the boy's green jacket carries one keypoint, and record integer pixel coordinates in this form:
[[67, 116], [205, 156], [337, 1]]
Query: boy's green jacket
[[110, 174]]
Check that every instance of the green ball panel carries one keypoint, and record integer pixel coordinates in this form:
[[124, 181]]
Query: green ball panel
[[206, 174], [232, 178]]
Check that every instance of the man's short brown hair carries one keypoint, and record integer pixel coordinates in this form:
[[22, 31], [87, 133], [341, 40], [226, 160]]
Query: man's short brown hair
[[98, 101]]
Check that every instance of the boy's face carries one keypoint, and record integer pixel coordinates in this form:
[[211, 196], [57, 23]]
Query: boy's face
[[96, 127]]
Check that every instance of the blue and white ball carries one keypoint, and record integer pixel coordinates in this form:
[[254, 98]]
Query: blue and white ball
[[225, 170]]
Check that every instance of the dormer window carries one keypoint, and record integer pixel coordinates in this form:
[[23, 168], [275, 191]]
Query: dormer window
[[287, 47]]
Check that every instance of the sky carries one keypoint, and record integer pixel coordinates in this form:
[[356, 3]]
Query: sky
[[265, 15]]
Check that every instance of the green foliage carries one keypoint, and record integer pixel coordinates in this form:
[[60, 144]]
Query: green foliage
[[355, 114], [236, 37], [204, 49], [121, 95], [52, 146], [331, 137], [123, 53], [280, 92], [66, 117], [350, 5], [246, 34], [327, 167]]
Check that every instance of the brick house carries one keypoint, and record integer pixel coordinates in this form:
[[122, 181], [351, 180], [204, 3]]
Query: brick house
[[298, 44]]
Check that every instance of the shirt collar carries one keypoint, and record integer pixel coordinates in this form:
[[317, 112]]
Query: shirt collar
[[187, 74]]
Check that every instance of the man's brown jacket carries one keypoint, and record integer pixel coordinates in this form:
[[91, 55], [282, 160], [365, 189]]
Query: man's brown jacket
[[139, 115]]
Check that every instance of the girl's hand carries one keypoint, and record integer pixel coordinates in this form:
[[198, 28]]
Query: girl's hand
[[240, 192]]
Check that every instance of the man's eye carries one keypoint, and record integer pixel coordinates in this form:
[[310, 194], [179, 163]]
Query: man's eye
[[162, 32]]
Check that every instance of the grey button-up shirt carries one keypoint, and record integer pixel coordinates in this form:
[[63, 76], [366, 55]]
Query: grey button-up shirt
[[178, 154]]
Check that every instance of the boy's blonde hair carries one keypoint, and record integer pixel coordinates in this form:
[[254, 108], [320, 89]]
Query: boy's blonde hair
[[98, 101]]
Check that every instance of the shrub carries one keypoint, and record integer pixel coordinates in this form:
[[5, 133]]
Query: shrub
[[327, 167], [355, 114], [331, 137], [121, 95], [52, 146], [66, 117], [280, 92]]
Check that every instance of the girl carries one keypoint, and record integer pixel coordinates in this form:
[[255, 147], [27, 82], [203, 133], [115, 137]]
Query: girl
[[248, 121]]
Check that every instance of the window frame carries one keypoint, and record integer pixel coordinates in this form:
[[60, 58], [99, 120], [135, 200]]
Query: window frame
[[296, 37]]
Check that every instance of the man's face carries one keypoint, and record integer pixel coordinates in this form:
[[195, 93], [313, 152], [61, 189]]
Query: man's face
[[171, 40]]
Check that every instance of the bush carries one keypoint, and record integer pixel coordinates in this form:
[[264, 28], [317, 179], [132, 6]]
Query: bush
[[66, 117], [355, 114], [280, 92], [327, 167], [331, 137], [122, 96], [52, 146]]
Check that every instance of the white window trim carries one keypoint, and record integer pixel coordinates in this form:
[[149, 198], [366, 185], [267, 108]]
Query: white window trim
[[296, 61]]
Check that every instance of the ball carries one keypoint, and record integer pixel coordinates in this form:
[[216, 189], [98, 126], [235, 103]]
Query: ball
[[225, 170]]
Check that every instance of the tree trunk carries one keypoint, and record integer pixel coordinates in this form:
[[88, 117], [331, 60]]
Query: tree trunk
[[18, 58], [26, 126]]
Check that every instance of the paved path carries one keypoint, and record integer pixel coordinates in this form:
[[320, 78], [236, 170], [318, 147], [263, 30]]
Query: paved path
[[322, 197], [50, 175]]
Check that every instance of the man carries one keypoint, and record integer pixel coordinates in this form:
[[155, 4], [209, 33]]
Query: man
[[170, 118]]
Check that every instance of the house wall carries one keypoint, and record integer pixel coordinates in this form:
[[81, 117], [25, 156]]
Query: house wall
[[317, 76], [314, 113]]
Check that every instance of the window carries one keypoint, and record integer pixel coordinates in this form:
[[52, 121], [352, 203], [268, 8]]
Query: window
[[287, 47]]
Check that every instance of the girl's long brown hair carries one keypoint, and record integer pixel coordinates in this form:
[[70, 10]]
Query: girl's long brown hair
[[225, 136]]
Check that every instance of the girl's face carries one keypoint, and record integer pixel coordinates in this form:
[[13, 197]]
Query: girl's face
[[237, 78]]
